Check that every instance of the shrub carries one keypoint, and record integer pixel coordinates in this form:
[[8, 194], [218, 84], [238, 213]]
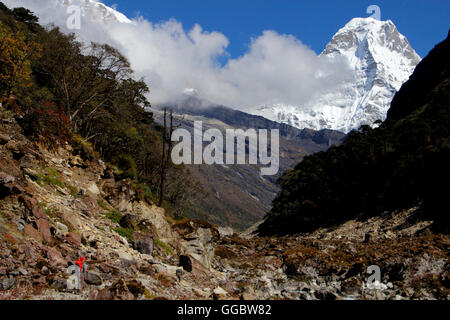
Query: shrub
[[144, 192], [74, 192], [83, 147], [125, 232], [102, 204], [127, 166], [164, 246], [113, 215], [50, 177], [47, 122]]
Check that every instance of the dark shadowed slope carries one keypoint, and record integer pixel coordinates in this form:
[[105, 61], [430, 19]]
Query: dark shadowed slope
[[401, 164]]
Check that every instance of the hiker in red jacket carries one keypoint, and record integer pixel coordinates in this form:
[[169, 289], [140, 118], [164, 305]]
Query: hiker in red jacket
[[80, 263]]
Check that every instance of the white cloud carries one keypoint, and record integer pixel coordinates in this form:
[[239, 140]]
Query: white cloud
[[275, 69]]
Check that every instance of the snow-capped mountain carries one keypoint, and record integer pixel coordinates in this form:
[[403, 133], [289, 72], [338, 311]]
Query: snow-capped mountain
[[97, 11], [381, 60]]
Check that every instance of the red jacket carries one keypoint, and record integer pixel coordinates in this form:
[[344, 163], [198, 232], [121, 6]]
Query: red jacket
[[80, 263]]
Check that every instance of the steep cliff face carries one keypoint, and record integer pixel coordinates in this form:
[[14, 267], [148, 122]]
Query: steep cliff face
[[381, 60]]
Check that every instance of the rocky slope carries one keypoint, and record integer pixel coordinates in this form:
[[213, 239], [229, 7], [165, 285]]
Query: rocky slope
[[57, 207], [381, 60]]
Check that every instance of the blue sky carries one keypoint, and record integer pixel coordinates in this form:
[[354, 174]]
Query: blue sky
[[423, 22]]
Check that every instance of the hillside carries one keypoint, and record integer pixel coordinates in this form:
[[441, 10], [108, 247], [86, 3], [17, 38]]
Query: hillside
[[401, 164], [62, 90], [237, 195]]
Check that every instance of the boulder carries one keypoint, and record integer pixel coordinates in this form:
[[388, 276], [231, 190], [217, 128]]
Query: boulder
[[93, 278], [93, 189], [44, 230], [158, 220], [62, 227], [118, 291], [128, 222], [88, 205], [55, 258], [60, 284], [225, 231], [199, 245], [28, 162], [74, 239], [7, 283], [220, 294], [32, 233], [32, 205], [143, 243], [71, 219], [6, 178]]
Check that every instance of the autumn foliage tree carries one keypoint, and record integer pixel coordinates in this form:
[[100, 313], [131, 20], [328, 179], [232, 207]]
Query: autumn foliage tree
[[16, 54]]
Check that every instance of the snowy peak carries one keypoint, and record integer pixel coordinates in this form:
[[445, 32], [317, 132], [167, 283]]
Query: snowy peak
[[365, 38], [355, 32], [98, 11], [381, 60], [371, 31]]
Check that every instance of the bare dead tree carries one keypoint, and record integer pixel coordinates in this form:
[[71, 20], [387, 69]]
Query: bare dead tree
[[165, 154]]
